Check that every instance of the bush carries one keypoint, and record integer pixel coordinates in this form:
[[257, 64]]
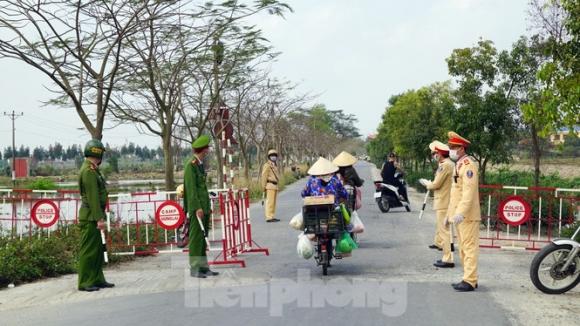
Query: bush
[[38, 257], [412, 178], [42, 184], [34, 258], [523, 178], [568, 231]]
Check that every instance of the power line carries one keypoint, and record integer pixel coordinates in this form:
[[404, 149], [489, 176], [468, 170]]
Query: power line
[[13, 116]]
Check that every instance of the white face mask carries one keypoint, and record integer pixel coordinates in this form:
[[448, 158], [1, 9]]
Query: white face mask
[[273, 158], [453, 155], [326, 178], [435, 158]]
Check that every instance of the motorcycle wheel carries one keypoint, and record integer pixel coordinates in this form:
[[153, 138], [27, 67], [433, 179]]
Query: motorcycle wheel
[[545, 269], [383, 205]]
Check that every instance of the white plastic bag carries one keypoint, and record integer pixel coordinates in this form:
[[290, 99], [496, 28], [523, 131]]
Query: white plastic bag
[[304, 248], [297, 222], [358, 226]]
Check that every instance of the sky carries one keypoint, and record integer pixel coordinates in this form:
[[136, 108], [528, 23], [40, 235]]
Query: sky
[[353, 54]]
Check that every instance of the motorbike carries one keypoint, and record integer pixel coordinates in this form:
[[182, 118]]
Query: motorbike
[[556, 268], [326, 223], [387, 196]]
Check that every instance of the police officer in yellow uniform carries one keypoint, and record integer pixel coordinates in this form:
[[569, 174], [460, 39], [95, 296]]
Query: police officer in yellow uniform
[[269, 179], [464, 210], [91, 219], [441, 187], [197, 205]]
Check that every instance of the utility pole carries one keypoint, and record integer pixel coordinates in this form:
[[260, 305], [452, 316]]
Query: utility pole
[[13, 116]]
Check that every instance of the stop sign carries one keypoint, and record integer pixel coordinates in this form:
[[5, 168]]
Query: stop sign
[[44, 213], [514, 210], [169, 215]]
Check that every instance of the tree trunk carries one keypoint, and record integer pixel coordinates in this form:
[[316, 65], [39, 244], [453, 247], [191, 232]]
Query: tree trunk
[[482, 168], [220, 166], [168, 160], [536, 153]]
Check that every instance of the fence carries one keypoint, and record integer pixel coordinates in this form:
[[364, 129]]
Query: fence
[[551, 210], [133, 228]]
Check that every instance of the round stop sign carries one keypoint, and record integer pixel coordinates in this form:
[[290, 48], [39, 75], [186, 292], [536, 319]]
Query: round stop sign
[[514, 210], [169, 215], [44, 213]]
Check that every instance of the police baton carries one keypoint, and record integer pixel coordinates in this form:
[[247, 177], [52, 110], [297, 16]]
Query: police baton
[[451, 236], [104, 241], [424, 204], [203, 230]]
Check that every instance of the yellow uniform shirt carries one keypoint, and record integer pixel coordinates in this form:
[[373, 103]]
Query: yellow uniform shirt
[[465, 190], [441, 186]]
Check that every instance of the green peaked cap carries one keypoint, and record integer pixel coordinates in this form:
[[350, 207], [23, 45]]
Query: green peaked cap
[[201, 142]]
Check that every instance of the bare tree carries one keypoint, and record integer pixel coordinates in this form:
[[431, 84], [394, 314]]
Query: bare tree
[[76, 44]]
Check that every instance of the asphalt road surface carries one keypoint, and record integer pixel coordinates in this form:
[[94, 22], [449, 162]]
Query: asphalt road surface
[[389, 280]]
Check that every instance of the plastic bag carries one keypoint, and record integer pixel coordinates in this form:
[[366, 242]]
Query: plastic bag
[[345, 213], [346, 244], [352, 243], [358, 226], [343, 246], [304, 247], [297, 222]]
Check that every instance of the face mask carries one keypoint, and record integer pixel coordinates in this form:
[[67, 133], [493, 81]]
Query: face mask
[[326, 178], [273, 158], [435, 158], [453, 155]]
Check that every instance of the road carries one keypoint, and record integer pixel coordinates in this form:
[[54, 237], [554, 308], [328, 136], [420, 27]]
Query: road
[[389, 280]]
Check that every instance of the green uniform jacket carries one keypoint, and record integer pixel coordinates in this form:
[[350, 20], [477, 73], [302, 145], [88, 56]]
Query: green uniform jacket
[[195, 192], [93, 193]]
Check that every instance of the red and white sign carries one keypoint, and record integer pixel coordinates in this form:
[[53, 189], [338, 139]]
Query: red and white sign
[[169, 215], [44, 213], [514, 210]]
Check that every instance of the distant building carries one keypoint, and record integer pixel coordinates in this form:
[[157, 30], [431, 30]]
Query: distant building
[[560, 136]]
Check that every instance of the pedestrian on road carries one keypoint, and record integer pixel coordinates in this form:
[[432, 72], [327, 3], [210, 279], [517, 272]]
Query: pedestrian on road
[[270, 179], [93, 193], [198, 208], [441, 187], [464, 210]]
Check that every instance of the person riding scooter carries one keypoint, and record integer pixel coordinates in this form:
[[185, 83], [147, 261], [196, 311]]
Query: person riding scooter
[[390, 173]]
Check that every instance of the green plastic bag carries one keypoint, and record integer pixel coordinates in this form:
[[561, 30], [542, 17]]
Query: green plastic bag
[[351, 242], [346, 244], [345, 213]]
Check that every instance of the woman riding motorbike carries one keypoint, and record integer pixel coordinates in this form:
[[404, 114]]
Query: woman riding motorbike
[[323, 181]]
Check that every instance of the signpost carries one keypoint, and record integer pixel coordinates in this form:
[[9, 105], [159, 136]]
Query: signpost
[[514, 210], [44, 213], [169, 215]]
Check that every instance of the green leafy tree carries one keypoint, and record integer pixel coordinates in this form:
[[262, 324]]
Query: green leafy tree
[[558, 22], [485, 111]]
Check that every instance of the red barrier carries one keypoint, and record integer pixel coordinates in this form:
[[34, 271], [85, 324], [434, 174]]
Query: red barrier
[[551, 210], [236, 228], [132, 226]]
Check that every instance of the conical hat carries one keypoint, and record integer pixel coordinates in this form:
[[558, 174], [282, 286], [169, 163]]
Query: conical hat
[[344, 159], [322, 167], [438, 146]]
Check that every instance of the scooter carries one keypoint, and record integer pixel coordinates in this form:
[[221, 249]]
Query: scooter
[[387, 196], [556, 268]]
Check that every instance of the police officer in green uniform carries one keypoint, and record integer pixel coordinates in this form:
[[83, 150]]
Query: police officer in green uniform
[[91, 219], [197, 205]]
